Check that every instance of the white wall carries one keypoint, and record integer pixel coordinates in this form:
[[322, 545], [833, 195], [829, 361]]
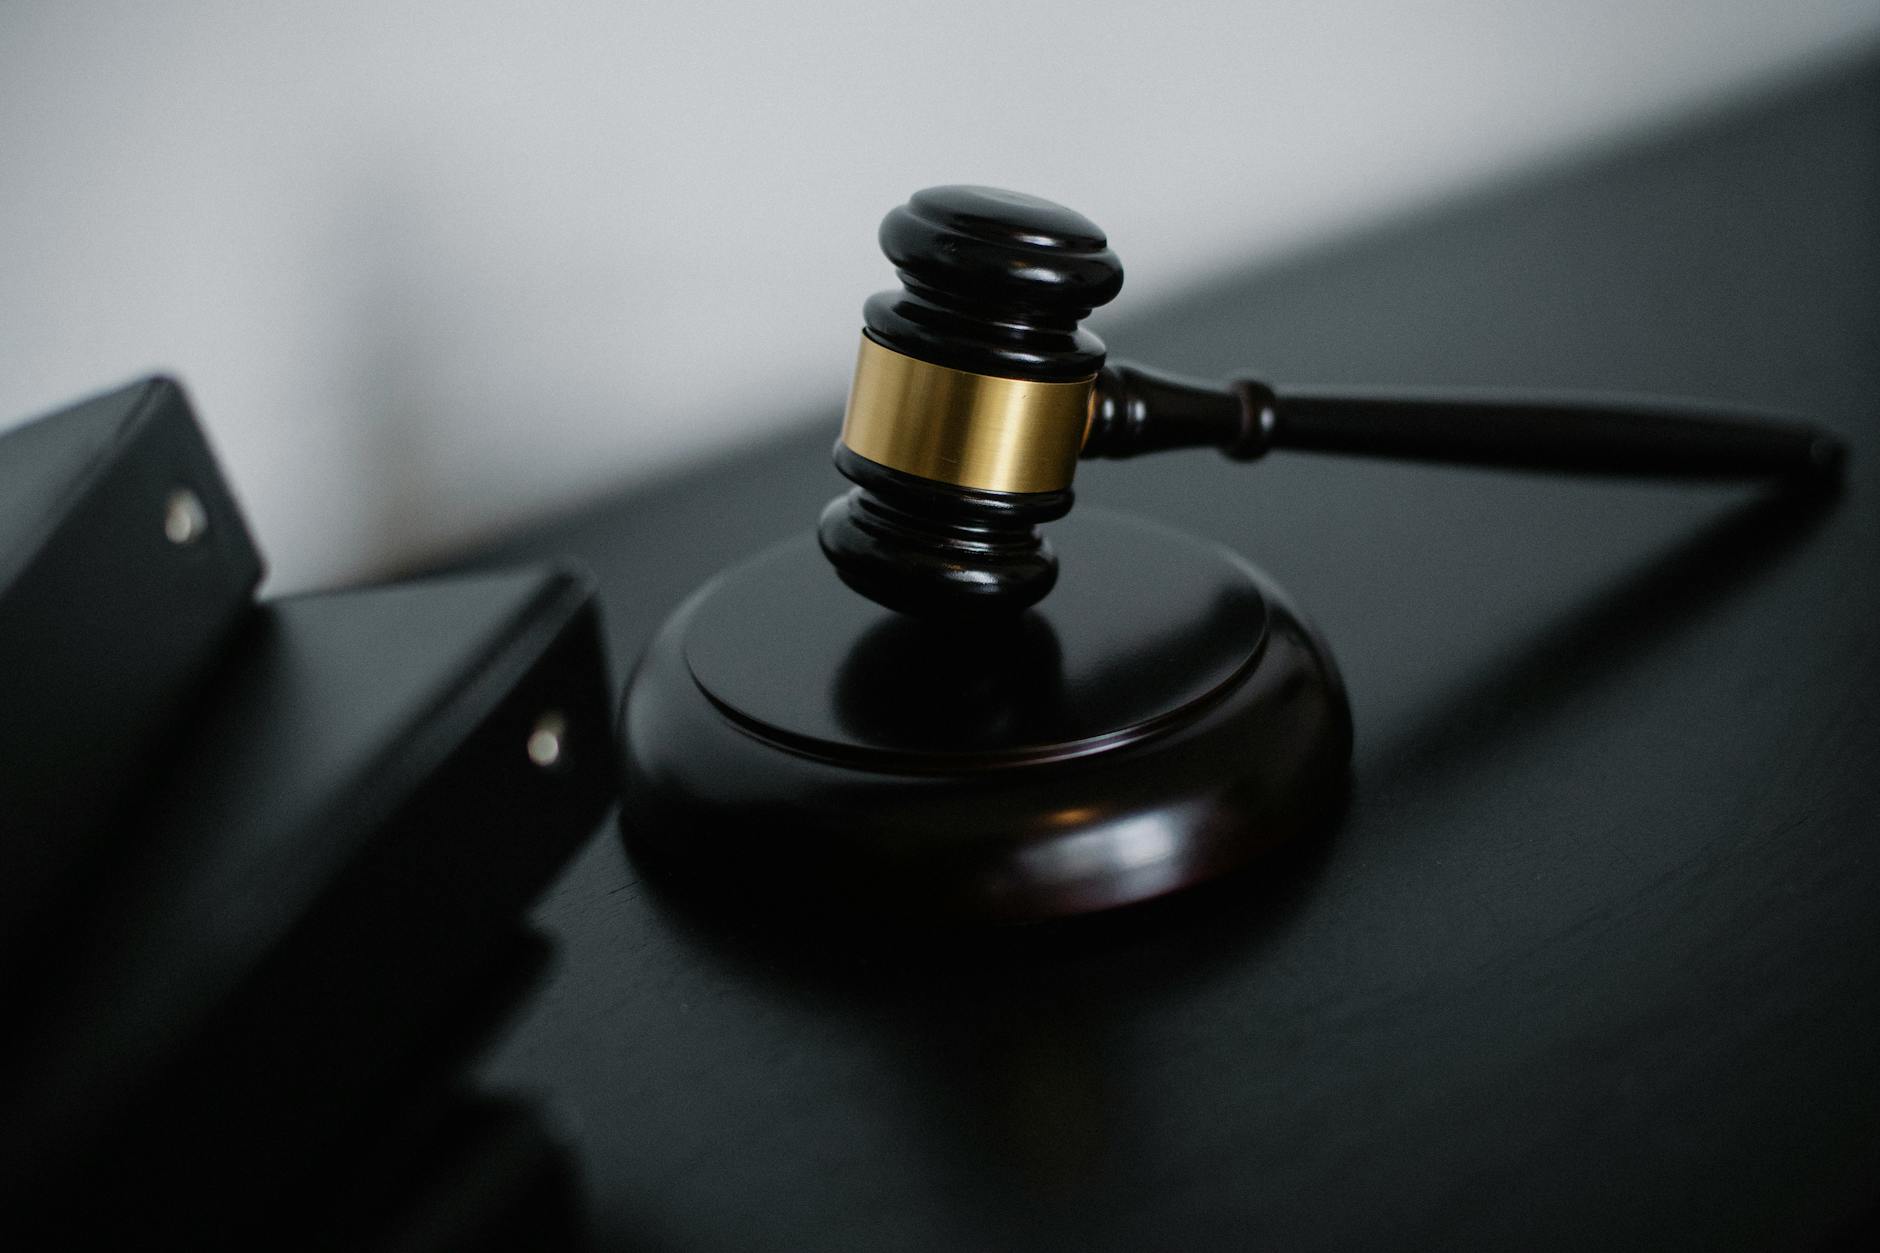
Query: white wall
[[432, 268]]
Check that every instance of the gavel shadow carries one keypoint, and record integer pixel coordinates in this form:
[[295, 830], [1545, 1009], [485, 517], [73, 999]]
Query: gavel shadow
[[1001, 1056], [1018, 1046]]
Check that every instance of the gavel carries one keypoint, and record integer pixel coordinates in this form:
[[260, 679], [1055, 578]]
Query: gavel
[[954, 744], [977, 391]]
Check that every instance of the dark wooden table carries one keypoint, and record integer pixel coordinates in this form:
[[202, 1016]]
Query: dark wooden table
[[1593, 959]]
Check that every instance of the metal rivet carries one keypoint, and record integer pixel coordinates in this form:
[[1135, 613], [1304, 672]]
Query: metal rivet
[[184, 519], [545, 741]]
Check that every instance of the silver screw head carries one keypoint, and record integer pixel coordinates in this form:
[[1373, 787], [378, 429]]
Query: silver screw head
[[547, 739], [184, 519]]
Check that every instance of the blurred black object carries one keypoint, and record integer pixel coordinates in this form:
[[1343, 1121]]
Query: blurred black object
[[246, 1018], [124, 567], [488, 1177]]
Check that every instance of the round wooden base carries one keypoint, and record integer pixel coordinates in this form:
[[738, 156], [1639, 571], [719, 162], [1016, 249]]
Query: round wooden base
[[1162, 718]]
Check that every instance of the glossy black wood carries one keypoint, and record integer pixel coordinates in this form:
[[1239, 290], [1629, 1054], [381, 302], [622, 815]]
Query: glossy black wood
[[1137, 410], [1140, 410], [936, 550], [1162, 720], [1590, 960], [994, 282]]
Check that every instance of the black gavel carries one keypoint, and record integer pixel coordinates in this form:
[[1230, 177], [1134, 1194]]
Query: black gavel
[[977, 391], [1168, 717]]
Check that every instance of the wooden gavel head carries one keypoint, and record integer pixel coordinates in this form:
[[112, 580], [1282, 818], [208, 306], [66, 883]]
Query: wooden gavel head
[[971, 401]]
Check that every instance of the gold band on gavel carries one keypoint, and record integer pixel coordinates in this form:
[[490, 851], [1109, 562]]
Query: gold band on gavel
[[971, 430]]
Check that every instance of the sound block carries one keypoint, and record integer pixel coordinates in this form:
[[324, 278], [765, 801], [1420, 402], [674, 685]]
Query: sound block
[[1164, 717]]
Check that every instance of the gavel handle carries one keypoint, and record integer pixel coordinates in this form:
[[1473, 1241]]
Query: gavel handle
[[1137, 411]]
